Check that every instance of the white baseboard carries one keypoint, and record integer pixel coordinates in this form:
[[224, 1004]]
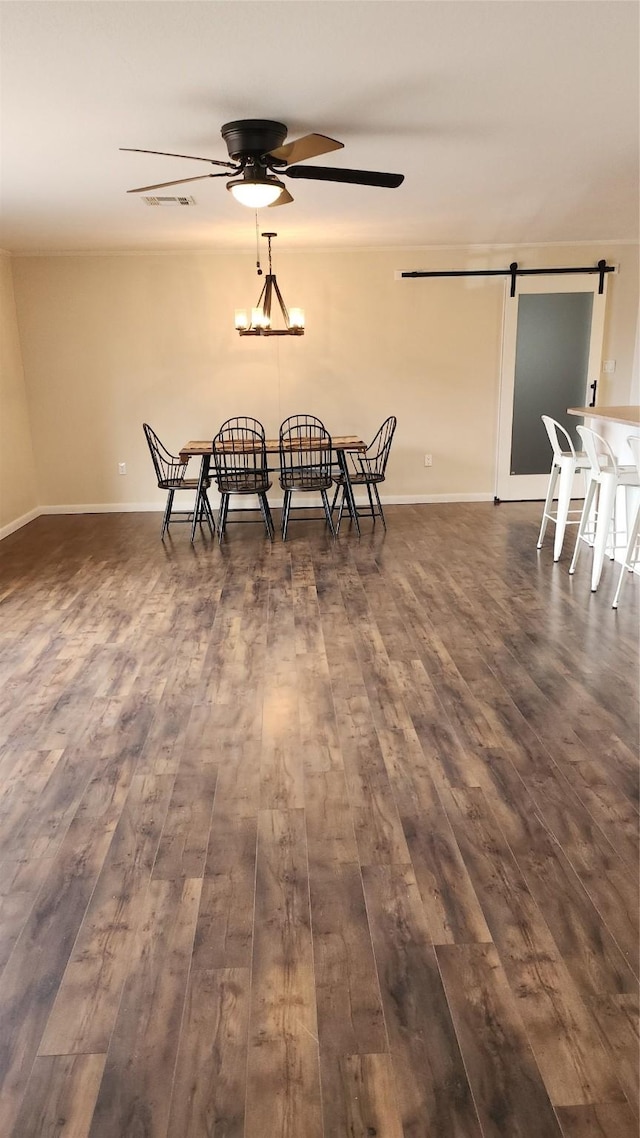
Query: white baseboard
[[158, 507], [276, 502], [18, 523], [425, 499], [107, 508]]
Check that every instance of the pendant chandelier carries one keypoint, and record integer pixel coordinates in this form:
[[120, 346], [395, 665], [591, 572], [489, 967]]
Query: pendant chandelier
[[259, 322]]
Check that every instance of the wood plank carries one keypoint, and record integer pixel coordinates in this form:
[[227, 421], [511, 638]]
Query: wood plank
[[507, 1087], [224, 930], [588, 948], [210, 1079], [619, 1022], [431, 1083], [283, 1084], [88, 998], [30, 980], [60, 1097], [21, 882], [331, 835], [358, 1097], [135, 1091], [350, 1018], [606, 1120], [183, 844], [562, 1033], [453, 912]]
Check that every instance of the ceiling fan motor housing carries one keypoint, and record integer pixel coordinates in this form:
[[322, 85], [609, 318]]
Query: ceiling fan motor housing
[[253, 137]]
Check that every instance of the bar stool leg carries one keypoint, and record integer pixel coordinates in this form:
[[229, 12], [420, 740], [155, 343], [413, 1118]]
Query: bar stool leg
[[567, 471], [606, 501], [584, 521], [629, 559], [551, 489]]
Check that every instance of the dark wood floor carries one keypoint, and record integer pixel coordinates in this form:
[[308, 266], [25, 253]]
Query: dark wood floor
[[316, 839]]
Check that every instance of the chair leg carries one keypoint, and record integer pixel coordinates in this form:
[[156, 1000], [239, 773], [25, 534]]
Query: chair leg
[[222, 516], [266, 515], [272, 528], [370, 496], [208, 512], [584, 521], [271, 521], [341, 510], [629, 562], [551, 489], [375, 490], [167, 514], [327, 511], [286, 506], [335, 497]]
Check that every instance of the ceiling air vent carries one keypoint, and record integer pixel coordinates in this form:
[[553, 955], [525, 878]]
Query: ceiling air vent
[[170, 201]]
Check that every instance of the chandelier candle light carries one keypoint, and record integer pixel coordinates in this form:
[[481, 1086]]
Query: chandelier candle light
[[260, 322]]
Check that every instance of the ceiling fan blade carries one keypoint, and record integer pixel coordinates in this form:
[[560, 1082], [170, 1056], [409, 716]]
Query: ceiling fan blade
[[309, 146], [179, 182], [166, 154], [284, 199], [356, 177]]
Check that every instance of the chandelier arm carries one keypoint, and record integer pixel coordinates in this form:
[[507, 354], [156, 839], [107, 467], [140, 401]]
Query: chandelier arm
[[283, 307], [262, 295], [267, 296]]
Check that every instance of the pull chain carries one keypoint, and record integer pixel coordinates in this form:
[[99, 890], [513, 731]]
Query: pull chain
[[258, 267]]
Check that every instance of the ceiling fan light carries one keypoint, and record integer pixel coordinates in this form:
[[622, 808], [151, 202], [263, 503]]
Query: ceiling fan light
[[256, 192]]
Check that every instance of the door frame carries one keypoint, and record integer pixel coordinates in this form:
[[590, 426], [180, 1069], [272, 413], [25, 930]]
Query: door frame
[[529, 487]]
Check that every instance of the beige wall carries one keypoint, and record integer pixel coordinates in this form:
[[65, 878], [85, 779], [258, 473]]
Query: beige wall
[[110, 341], [17, 474]]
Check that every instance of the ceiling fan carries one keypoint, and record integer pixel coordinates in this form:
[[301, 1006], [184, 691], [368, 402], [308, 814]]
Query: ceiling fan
[[260, 156]]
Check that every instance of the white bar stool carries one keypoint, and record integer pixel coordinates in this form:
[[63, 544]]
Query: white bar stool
[[606, 476], [632, 554], [563, 466]]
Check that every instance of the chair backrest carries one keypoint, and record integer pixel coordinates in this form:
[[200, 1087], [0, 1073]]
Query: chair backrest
[[301, 421], [598, 451], [377, 453], [552, 427], [240, 459], [244, 421], [634, 446], [168, 467], [306, 452]]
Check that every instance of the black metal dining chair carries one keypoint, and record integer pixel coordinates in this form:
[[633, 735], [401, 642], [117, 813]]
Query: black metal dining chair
[[367, 469], [239, 421], [170, 473], [306, 457], [240, 462]]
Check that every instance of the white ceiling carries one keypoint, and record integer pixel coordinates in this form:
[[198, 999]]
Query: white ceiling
[[512, 121]]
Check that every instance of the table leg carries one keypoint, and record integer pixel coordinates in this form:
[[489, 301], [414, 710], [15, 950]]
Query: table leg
[[348, 488], [204, 474]]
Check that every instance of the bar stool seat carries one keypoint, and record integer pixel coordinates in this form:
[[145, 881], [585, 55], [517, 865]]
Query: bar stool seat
[[606, 476], [564, 465]]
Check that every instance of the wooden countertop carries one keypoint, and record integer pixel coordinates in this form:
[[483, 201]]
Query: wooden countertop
[[628, 415]]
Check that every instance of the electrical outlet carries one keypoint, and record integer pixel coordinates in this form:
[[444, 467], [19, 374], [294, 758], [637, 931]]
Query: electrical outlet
[[122, 468], [608, 366], [428, 460]]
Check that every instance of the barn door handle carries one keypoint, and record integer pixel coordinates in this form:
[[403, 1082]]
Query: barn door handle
[[593, 387]]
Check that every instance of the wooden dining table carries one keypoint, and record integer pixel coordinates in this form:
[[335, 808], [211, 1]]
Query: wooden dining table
[[341, 444]]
